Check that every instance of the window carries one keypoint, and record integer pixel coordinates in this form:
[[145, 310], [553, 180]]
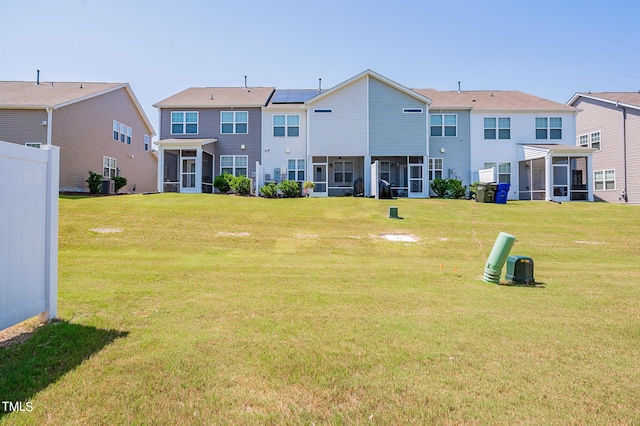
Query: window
[[549, 128], [295, 169], [504, 171], [116, 130], [497, 127], [123, 132], [234, 122], [343, 172], [435, 168], [129, 134], [33, 144], [235, 165], [595, 140], [443, 124], [286, 125], [184, 122], [583, 140], [109, 167], [604, 179], [146, 142], [412, 110], [385, 170]]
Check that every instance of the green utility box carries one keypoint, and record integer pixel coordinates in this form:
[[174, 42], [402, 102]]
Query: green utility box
[[520, 270], [486, 192]]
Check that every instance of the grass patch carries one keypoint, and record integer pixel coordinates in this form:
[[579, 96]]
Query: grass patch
[[210, 309]]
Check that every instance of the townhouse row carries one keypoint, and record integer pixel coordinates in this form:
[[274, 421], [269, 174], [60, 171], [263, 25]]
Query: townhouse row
[[370, 128], [346, 139]]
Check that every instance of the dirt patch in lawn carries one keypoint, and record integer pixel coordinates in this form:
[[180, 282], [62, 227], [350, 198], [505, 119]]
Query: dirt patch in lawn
[[403, 238], [107, 230]]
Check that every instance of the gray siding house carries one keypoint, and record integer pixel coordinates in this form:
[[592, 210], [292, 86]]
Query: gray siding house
[[207, 131], [609, 123], [369, 128], [98, 126]]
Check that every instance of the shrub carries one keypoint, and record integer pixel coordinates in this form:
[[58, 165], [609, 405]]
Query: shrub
[[439, 186], [290, 188], [270, 190], [241, 185], [448, 188], [455, 189], [120, 182], [95, 182], [223, 182]]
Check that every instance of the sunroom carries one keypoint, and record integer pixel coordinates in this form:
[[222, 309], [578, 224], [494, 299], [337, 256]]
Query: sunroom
[[555, 173], [185, 165]]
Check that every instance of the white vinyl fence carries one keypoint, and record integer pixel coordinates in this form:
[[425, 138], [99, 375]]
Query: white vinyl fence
[[29, 182]]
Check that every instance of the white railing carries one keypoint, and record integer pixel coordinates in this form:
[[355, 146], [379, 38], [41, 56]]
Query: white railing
[[29, 183]]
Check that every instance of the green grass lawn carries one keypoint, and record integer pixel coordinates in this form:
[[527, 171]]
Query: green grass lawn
[[210, 309]]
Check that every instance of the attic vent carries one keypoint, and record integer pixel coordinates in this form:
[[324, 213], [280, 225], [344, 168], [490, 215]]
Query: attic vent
[[322, 110], [412, 110]]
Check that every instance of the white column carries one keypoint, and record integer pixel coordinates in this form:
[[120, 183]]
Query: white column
[[51, 233], [367, 176], [160, 168], [199, 170], [590, 177], [548, 177]]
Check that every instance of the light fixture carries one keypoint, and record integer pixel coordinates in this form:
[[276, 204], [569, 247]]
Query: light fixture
[[242, 146]]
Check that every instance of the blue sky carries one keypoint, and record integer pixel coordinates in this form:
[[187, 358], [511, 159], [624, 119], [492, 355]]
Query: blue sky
[[550, 49]]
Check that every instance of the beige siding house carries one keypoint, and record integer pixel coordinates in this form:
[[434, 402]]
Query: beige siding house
[[609, 122], [98, 126]]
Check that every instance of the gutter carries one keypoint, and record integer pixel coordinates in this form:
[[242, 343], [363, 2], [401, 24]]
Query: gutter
[[624, 195], [49, 124]]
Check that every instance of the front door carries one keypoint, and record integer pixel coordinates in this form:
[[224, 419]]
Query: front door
[[188, 174], [320, 179]]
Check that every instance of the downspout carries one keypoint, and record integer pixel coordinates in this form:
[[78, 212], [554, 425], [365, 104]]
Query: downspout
[[624, 152], [49, 124]]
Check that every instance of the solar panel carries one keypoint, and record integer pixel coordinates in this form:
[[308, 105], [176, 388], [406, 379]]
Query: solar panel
[[293, 96]]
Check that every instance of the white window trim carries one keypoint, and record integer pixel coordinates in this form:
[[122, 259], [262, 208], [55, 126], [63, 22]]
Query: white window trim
[[579, 141], [296, 169], [107, 161], [497, 165], [548, 128], [235, 123], [343, 172], [184, 122], [497, 128], [147, 142], [604, 180], [286, 125], [234, 167], [443, 126], [433, 169], [599, 133]]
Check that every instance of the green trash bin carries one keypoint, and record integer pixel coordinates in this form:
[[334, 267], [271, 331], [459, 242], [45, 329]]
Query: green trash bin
[[486, 192]]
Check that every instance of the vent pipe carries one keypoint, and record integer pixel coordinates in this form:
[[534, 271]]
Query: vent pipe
[[37, 76], [458, 87], [245, 81], [319, 85]]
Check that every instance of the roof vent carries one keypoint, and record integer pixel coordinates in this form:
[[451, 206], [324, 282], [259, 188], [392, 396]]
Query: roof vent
[[37, 76]]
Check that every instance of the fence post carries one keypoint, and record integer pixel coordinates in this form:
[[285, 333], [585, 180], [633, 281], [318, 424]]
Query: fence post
[[51, 238]]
